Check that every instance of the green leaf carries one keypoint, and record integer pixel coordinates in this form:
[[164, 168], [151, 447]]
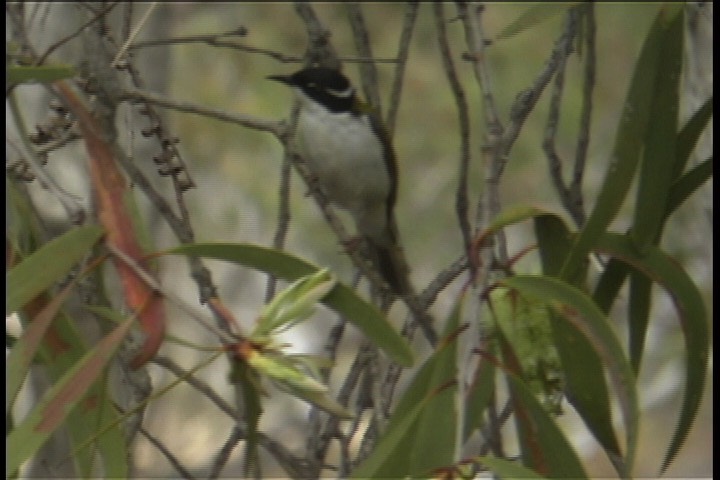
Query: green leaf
[[659, 154], [293, 304], [478, 397], [416, 439], [248, 380], [553, 455], [689, 135], [282, 370], [56, 403], [629, 140], [342, 299], [525, 325], [321, 400], [582, 367], [41, 73], [48, 265], [688, 184], [581, 313], [693, 318], [513, 215], [23, 352], [388, 444]]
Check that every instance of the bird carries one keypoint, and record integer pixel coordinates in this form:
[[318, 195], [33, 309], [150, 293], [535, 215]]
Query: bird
[[348, 150]]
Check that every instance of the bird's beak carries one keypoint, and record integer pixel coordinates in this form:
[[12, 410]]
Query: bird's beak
[[281, 78]]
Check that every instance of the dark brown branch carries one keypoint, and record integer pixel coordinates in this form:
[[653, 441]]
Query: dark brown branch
[[184, 473], [554, 160], [402, 58], [368, 72], [583, 141], [277, 128], [461, 197]]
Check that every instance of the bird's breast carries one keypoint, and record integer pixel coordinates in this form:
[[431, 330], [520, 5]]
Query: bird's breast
[[347, 158]]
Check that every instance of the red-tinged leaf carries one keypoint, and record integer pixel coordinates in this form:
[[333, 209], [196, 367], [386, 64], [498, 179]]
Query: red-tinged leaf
[[22, 354], [110, 189], [57, 402]]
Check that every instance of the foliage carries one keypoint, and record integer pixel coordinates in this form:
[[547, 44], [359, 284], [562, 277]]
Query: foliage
[[523, 336]]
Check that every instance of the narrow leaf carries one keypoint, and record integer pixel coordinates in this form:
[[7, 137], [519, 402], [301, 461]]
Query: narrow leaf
[[48, 265], [581, 313], [583, 370], [631, 133], [23, 352], [416, 441], [341, 298], [658, 160], [558, 457], [40, 73], [693, 318], [57, 402]]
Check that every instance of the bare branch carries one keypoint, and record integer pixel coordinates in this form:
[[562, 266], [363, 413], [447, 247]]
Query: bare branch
[[72, 207], [272, 126], [554, 160], [368, 72], [80, 30], [461, 197], [283, 223], [320, 51], [184, 473], [583, 141], [223, 455], [402, 57]]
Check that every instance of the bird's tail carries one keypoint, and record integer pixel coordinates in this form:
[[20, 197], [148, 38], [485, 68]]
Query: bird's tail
[[390, 262]]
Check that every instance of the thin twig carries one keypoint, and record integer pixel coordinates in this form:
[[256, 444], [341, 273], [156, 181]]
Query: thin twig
[[350, 383], [402, 58], [133, 34], [64, 40], [286, 459], [461, 197], [316, 415], [199, 385], [554, 160], [184, 473], [223, 456], [249, 121], [283, 222], [583, 140], [320, 51], [489, 202], [214, 40], [73, 209], [146, 277], [368, 72]]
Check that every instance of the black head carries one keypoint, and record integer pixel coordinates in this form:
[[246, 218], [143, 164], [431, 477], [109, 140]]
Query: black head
[[325, 86]]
